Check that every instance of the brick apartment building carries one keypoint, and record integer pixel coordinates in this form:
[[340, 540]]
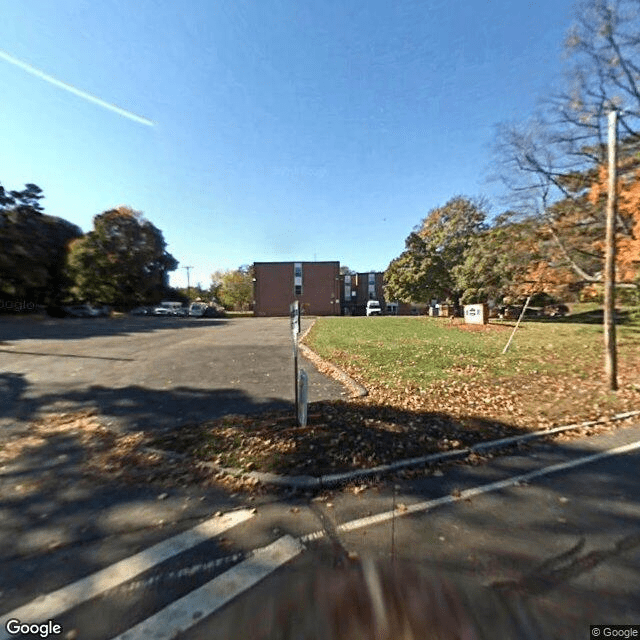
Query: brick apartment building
[[314, 284], [356, 289], [320, 289]]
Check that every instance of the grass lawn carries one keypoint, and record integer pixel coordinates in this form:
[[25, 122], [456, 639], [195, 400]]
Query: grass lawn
[[552, 373]]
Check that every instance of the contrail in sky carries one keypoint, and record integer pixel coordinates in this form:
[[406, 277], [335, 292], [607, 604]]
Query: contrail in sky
[[67, 87]]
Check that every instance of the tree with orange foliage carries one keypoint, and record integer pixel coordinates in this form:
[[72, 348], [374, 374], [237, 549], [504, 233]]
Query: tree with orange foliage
[[628, 239], [554, 166]]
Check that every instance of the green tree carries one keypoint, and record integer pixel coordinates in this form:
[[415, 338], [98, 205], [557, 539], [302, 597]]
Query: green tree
[[426, 268], [193, 293], [29, 198], [33, 247], [122, 262], [234, 288], [498, 261]]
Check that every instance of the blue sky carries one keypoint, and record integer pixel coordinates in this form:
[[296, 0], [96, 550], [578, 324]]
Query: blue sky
[[283, 129]]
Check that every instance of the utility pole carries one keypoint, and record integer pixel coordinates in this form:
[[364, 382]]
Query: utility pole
[[188, 285], [611, 366]]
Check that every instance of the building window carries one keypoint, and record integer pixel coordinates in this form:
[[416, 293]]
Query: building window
[[297, 278], [372, 286]]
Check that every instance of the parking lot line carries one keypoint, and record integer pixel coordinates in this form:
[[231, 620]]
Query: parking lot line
[[53, 604], [385, 516], [207, 599]]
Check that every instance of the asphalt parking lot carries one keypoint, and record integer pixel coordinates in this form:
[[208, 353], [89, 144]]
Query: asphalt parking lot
[[146, 372]]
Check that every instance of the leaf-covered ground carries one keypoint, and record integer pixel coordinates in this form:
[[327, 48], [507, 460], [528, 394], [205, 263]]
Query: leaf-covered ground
[[339, 436], [551, 375]]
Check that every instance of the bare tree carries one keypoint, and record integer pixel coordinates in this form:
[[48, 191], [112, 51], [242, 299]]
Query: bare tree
[[550, 163]]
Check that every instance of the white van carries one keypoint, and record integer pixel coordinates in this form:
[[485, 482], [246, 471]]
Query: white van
[[197, 309], [374, 308]]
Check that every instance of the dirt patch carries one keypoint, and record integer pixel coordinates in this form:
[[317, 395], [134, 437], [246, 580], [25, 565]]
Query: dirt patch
[[83, 427], [459, 323], [338, 437], [480, 328]]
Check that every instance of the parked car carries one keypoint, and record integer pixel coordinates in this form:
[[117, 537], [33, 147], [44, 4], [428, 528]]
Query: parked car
[[141, 311], [99, 311], [162, 311], [509, 312], [374, 308], [197, 309], [513, 312], [556, 310], [81, 311], [214, 311], [181, 312]]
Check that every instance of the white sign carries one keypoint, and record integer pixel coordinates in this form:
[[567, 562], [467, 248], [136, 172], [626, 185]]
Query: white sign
[[303, 397], [475, 314], [294, 310]]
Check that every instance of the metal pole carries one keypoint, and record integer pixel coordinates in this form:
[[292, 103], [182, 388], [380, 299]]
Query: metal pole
[[610, 261], [188, 283], [295, 370], [294, 311], [513, 333]]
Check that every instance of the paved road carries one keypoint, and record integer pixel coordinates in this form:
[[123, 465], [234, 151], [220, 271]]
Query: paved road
[[148, 372], [568, 543]]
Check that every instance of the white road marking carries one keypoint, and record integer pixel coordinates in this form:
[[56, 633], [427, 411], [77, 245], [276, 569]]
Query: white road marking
[[470, 493], [53, 604], [191, 570], [207, 599]]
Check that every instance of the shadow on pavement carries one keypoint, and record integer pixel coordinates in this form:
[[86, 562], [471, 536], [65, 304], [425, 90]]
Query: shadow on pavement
[[64, 355], [132, 407], [12, 388], [568, 542], [45, 328]]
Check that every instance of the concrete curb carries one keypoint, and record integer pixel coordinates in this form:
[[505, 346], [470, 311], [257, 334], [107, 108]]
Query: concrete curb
[[356, 389], [331, 480]]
